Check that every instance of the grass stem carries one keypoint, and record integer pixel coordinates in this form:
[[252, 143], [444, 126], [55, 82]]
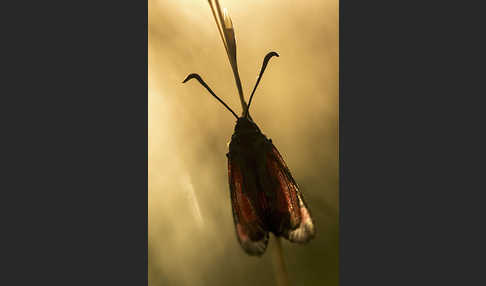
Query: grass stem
[[280, 269]]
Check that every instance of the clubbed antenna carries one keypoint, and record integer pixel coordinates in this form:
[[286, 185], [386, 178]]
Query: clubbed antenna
[[264, 66], [201, 81]]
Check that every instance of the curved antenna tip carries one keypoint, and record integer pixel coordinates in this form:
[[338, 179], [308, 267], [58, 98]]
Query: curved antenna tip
[[271, 54], [191, 76]]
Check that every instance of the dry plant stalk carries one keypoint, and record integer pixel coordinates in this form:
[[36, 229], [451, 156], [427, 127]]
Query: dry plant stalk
[[280, 269], [227, 33]]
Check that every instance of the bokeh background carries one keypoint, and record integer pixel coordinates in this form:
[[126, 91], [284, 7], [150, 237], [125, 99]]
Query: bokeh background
[[191, 233]]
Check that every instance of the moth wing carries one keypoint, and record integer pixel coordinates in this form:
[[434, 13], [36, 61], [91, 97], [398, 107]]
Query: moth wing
[[306, 230], [291, 216], [251, 235]]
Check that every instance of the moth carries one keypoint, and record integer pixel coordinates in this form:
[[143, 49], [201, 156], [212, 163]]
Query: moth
[[264, 195]]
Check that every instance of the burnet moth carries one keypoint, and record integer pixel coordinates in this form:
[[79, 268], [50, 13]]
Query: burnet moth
[[264, 195]]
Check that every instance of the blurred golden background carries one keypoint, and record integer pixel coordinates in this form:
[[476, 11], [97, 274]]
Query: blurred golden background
[[191, 234]]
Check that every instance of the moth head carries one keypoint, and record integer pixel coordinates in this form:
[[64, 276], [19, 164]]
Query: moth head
[[245, 124]]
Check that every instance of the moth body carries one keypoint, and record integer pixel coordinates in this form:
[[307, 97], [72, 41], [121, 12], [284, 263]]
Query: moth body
[[264, 196]]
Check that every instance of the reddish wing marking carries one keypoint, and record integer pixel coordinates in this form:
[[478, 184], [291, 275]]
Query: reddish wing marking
[[299, 227], [286, 214], [249, 231]]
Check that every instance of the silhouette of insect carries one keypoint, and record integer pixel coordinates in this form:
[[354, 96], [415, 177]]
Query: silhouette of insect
[[264, 195]]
